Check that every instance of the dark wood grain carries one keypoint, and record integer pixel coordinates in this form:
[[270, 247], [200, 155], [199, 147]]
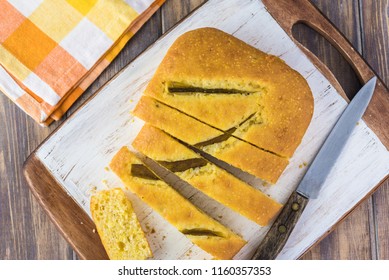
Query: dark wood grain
[[282, 227], [352, 237], [26, 231], [375, 47], [175, 10]]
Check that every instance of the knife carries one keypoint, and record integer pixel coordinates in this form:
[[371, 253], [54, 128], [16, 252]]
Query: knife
[[313, 180]]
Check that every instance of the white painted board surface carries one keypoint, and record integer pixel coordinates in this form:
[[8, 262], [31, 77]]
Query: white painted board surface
[[78, 153]]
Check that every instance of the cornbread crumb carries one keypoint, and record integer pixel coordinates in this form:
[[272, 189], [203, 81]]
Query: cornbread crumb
[[92, 190], [118, 226]]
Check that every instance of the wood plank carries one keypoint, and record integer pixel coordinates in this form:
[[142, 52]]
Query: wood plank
[[381, 209], [349, 240], [25, 230], [175, 10], [375, 23]]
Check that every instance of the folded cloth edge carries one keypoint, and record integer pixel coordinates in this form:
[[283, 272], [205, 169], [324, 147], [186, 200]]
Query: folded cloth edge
[[45, 114]]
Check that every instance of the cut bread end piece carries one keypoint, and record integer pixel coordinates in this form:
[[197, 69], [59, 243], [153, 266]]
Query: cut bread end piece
[[118, 226], [205, 176], [223, 146], [202, 230]]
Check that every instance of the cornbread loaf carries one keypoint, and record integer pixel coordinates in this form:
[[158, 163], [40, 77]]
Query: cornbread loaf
[[118, 226], [230, 85], [201, 229], [221, 145], [205, 176]]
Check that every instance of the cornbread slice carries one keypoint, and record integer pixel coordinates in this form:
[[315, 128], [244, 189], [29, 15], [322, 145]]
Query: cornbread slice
[[222, 81], [205, 176], [201, 229], [223, 146], [118, 226]]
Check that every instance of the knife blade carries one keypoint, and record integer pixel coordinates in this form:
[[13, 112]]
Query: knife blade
[[313, 180]]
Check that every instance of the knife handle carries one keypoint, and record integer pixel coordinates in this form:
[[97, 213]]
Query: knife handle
[[282, 227]]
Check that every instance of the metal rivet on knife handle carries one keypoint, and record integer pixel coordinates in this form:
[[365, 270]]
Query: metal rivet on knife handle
[[295, 206], [282, 229]]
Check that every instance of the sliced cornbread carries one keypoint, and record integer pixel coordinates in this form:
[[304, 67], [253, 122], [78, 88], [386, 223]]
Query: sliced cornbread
[[223, 146], [228, 84], [205, 176], [118, 226], [201, 229]]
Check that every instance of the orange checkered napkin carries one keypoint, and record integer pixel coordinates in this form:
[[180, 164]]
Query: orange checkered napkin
[[52, 50]]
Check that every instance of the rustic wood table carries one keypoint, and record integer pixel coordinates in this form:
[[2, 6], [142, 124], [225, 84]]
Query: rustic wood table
[[26, 231]]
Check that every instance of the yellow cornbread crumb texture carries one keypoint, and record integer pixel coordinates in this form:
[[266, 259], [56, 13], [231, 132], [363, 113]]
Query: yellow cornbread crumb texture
[[118, 226]]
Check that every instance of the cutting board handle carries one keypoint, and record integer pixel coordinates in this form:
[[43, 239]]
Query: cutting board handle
[[290, 12]]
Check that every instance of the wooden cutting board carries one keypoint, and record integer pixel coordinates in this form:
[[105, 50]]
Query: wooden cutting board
[[72, 163]]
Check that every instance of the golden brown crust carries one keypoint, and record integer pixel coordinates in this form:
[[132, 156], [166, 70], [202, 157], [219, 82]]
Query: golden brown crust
[[210, 179], [209, 58], [222, 243], [236, 152]]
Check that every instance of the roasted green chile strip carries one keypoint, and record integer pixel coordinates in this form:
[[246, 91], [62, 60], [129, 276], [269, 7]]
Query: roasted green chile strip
[[218, 139], [183, 88], [189, 90], [201, 232], [141, 171], [223, 137]]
